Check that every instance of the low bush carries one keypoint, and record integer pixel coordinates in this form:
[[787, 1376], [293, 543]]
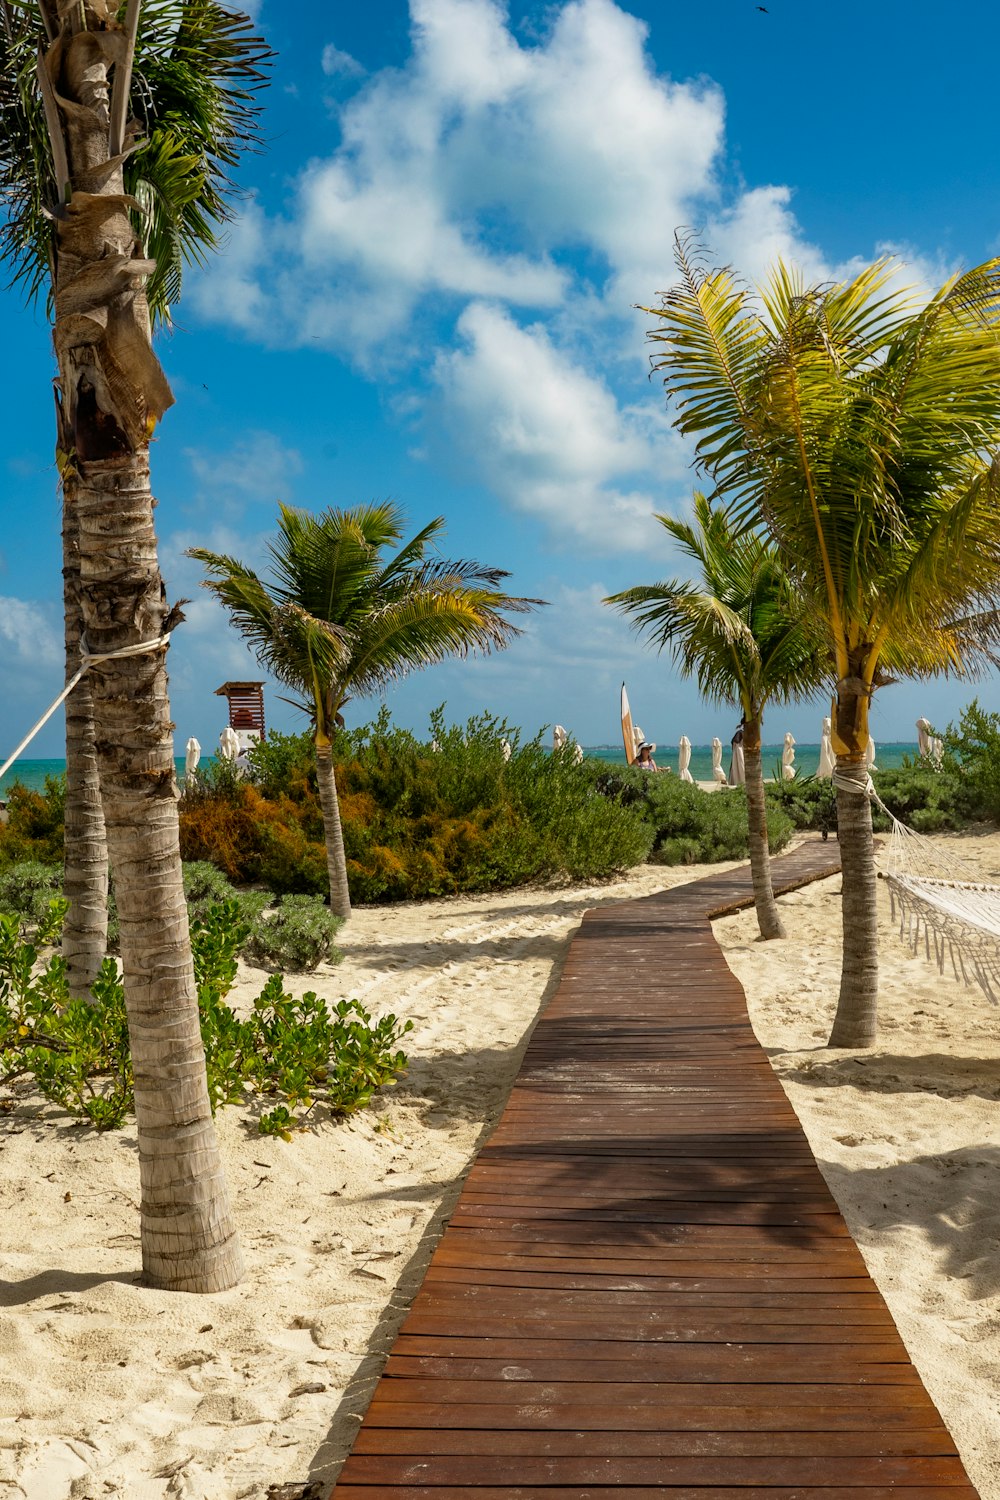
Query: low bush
[[33, 832], [972, 757], [687, 825], [298, 935], [288, 1057], [809, 802], [28, 888]]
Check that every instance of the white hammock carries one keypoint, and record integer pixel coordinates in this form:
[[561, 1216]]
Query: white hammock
[[951, 912]]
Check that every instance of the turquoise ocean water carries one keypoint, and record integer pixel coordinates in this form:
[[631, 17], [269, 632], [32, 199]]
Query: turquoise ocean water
[[32, 773]]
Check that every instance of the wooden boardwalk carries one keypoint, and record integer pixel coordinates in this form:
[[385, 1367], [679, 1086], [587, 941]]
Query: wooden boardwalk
[[646, 1286]]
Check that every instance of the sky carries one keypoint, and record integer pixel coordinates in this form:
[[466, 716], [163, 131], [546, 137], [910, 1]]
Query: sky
[[430, 295]]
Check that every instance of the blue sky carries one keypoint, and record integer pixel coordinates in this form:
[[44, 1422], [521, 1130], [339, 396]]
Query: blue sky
[[429, 295]]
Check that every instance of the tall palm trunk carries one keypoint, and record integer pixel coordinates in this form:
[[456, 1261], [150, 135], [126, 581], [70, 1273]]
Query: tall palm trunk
[[336, 859], [112, 392], [85, 877], [856, 1022], [768, 918]]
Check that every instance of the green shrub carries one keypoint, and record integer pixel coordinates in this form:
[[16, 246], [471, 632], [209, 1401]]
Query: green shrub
[[298, 935], [810, 802], [972, 757], [26, 889], [33, 832], [929, 800], [687, 825], [290, 1054]]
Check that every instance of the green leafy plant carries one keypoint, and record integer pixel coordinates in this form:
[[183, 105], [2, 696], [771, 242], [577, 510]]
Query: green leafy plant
[[291, 1053]]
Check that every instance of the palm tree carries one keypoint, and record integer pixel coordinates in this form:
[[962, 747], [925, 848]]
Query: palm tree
[[78, 182], [744, 636], [861, 428], [339, 620], [195, 68]]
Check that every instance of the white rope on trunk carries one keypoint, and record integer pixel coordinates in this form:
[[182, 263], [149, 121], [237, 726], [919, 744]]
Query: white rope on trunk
[[88, 659]]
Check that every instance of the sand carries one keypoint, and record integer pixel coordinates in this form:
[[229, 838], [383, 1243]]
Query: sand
[[112, 1390]]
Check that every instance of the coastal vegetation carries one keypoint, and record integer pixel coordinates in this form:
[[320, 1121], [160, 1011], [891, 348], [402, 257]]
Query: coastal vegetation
[[343, 616], [858, 428], [288, 1061]]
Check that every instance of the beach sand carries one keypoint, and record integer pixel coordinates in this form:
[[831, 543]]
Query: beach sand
[[112, 1390]]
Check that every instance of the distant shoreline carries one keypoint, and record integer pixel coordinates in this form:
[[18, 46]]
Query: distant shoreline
[[888, 756]]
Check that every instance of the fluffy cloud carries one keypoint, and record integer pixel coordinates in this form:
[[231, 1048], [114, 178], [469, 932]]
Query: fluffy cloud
[[552, 439], [476, 190], [258, 467], [30, 633]]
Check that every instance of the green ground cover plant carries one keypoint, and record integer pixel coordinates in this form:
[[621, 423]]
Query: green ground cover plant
[[288, 1059]]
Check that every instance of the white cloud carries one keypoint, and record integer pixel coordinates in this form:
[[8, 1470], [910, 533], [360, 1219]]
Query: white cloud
[[337, 64], [257, 467], [552, 438], [30, 633]]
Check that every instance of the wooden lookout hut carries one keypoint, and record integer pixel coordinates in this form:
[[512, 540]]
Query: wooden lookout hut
[[246, 709]]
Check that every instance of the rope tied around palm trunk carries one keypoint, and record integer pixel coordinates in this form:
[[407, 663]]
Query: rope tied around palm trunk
[[88, 659]]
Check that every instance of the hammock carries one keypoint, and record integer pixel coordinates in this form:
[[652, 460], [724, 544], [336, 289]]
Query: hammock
[[952, 912]]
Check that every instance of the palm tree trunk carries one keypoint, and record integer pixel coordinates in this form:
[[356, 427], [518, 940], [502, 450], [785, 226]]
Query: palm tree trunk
[[188, 1235], [856, 1022], [85, 876], [768, 918], [112, 392], [336, 859]]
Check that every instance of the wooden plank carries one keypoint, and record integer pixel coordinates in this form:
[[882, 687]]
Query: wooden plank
[[693, 1425], [486, 1469], [438, 1438], [364, 1491]]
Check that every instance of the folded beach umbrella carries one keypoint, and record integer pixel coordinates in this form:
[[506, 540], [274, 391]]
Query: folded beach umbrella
[[827, 760], [559, 737], [192, 755], [788, 759], [718, 773], [923, 737], [229, 743], [684, 758]]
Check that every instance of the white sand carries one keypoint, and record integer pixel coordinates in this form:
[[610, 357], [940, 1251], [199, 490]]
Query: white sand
[[112, 1390]]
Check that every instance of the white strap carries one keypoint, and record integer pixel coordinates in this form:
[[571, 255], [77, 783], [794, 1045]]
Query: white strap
[[89, 660]]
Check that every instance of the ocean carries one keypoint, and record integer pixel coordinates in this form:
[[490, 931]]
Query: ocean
[[32, 773]]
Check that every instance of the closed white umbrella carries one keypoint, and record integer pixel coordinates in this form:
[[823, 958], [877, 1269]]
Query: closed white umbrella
[[923, 737], [559, 737], [229, 743], [936, 750], [577, 754], [788, 759], [684, 758], [827, 759], [192, 755], [870, 754], [718, 773], [505, 749]]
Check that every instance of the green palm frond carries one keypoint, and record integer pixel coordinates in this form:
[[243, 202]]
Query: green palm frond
[[741, 631], [340, 619], [860, 429], [198, 70]]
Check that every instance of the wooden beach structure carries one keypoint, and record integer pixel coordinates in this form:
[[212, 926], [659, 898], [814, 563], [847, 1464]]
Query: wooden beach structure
[[246, 708], [646, 1287]]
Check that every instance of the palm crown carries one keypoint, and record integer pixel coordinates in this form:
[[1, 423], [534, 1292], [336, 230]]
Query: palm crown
[[340, 619], [197, 69], [860, 428], [741, 631]]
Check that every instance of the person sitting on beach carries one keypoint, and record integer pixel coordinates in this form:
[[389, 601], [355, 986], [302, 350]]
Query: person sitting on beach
[[644, 760]]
